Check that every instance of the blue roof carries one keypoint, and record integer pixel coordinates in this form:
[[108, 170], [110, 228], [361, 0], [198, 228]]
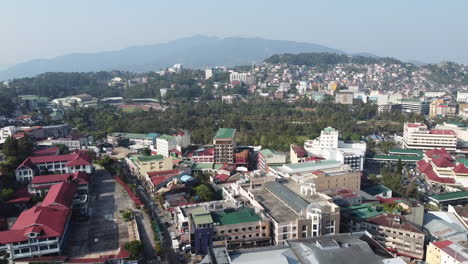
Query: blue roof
[[152, 135], [186, 178]]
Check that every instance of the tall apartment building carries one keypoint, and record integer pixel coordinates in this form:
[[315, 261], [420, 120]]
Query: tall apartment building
[[328, 146], [462, 97], [225, 144], [294, 212], [418, 136]]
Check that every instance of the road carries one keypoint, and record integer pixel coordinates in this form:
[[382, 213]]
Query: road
[[156, 213]]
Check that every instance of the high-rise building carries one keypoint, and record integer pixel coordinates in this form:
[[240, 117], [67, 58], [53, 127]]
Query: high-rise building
[[225, 144], [208, 73]]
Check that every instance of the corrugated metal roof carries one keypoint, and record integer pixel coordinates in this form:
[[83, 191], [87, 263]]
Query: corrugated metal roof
[[290, 198]]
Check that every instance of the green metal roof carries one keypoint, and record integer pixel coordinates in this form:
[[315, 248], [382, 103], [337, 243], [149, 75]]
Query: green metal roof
[[201, 216], [269, 152], [377, 189], [150, 158], [450, 196], [166, 137], [207, 165], [225, 133], [218, 166], [129, 135], [464, 161], [243, 215], [416, 152], [396, 157], [410, 100], [365, 210], [458, 124]]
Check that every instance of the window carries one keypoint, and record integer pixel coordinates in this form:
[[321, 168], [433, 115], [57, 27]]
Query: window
[[304, 234], [236, 237], [285, 229], [285, 236], [263, 228], [304, 228]]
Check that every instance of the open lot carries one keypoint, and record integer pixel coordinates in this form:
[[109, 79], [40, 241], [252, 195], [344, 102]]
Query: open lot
[[104, 231]]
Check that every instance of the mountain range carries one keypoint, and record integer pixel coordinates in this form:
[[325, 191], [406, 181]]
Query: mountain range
[[193, 52]]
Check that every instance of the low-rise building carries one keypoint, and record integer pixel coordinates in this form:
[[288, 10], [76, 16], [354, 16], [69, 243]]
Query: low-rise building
[[446, 251], [344, 97], [74, 141], [439, 168], [268, 157], [350, 248], [202, 156], [40, 185], [320, 176], [41, 165], [293, 211], [42, 229], [140, 166]]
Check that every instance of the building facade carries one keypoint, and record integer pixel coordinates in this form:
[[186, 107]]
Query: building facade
[[418, 136], [225, 144]]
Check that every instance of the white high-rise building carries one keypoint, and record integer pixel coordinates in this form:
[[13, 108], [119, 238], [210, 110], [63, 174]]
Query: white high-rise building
[[330, 147], [244, 77], [208, 73], [462, 97]]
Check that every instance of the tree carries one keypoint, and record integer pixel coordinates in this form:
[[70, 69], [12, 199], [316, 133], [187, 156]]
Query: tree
[[63, 149], [6, 194], [10, 147], [134, 248], [373, 178], [386, 146], [204, 192], [146, 152]]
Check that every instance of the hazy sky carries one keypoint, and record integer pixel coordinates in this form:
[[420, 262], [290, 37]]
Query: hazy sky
[[425, 30]]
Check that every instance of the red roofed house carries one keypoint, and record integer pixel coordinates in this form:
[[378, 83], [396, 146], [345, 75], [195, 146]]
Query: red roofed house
[[52, 151], [207, 155], [40, 185], [298, 154], [42, 229], [438, 167], [396, 235], [70, 163]]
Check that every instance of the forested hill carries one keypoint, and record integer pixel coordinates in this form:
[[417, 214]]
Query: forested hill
[[324, 59]]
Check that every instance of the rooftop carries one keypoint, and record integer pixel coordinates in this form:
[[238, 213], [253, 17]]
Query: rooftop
[[225, 133], [150, 158], [233, 217], [313, 166], [129, 135], [449, 196], [290, 198], [166, 137], [377, 189], [201, 216]]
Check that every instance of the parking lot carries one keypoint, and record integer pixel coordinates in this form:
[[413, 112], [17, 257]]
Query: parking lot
[[103, 232]]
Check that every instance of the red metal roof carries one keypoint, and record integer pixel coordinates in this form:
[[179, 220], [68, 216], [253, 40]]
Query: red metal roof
[[300, 151], [168, 173], [461, 168], [61, 195], [46, 152], [443, 163], [388, 220], [156, 180], [443, 243], [222, 177], [442, 132], [430, 174], [80, 176]]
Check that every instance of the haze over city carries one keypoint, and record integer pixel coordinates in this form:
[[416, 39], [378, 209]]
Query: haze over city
[[426, 31]]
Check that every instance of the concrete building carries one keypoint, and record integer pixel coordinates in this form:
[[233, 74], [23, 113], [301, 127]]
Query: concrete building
[[164, 144], [447, 252], [418, 136], [459, 128], [74, 141], [244, 77], [6, 132], [344, 97], [141, 165], [293, 211], [210, 225], [40, 165], [320, 176], [328, 146], [462, 97], [268, 157], [208, 73], [414, 105], [147, 140], [438, 108], [40, 185], [225, 144]]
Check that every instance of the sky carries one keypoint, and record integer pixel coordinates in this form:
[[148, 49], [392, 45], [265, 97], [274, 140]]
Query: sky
[[423, 30]]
